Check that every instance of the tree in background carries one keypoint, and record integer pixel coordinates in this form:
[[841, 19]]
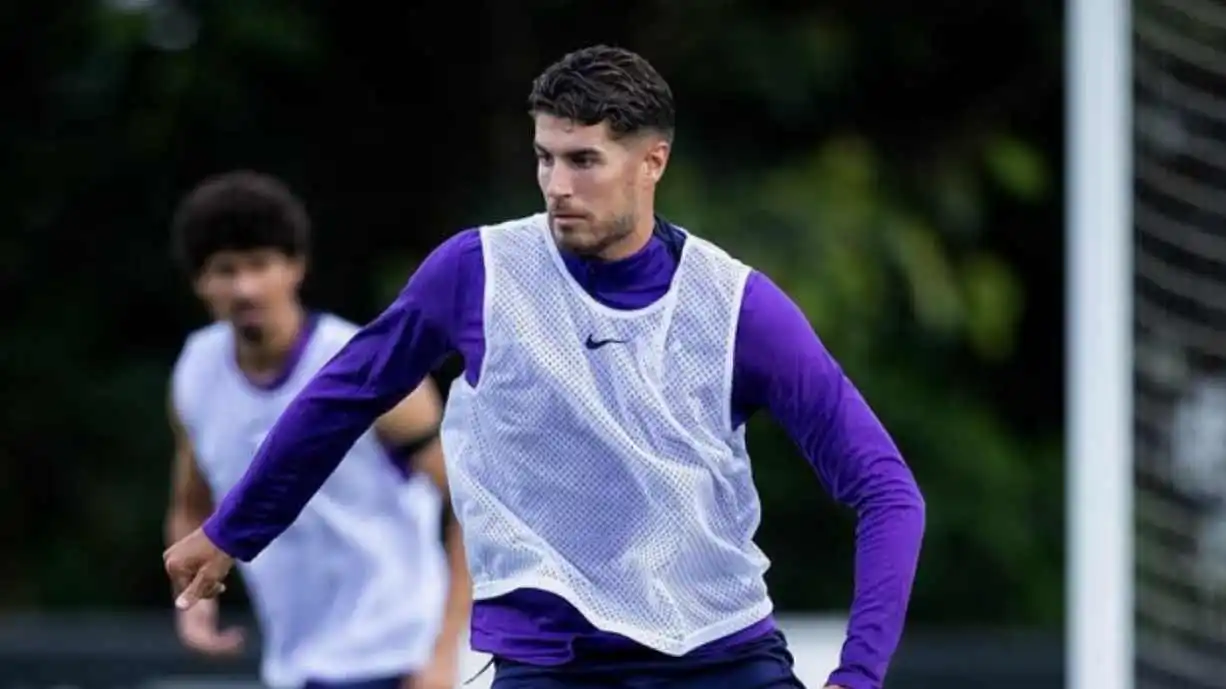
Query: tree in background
[[891, 166]]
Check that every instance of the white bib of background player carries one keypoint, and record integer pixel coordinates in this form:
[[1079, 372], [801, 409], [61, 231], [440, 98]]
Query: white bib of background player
[[595, 459], [355, 588]]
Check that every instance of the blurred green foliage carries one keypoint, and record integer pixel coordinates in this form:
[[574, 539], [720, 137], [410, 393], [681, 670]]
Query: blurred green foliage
[[892, 166]]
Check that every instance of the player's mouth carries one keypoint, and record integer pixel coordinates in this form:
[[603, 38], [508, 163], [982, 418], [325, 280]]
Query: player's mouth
[[567, 218], [246, 315]]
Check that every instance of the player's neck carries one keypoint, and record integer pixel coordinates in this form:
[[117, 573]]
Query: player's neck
[[269, 356], [632, 243]]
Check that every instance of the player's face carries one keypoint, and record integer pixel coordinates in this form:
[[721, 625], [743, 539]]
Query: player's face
[[250, 288], [592, 183]]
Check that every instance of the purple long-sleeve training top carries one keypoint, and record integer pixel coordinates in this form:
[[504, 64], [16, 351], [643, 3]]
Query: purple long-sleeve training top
[[780, 366]]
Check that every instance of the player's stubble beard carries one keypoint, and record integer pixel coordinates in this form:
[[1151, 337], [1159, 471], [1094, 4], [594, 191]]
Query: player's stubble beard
[[250, 333], [265, 340], [604, 235]]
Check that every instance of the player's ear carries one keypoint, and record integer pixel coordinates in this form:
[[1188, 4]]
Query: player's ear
[[655, 157], [298, 268], [201, 284]]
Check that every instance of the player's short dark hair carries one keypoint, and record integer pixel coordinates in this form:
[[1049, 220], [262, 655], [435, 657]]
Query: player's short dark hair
[[606, 84], [239, 211]]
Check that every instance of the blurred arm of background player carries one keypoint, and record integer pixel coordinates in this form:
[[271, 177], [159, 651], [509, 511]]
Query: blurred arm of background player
[[405, 426], [413, 424], [191, 502]]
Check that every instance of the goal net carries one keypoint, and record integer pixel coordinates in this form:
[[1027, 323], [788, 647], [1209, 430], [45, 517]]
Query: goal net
[[1179, 342]]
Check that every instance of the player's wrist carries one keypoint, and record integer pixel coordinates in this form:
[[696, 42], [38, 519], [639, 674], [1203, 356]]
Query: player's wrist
[[215, 530], [447, 651]]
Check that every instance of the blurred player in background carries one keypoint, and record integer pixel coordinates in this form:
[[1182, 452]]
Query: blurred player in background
[[596, 441], [357, 593]]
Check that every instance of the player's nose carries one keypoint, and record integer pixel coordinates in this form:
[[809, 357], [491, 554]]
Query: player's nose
[[246, 286], [558, 184]]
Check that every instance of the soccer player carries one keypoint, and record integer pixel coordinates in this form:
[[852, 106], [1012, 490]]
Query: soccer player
[[595, 441], [356, 593]]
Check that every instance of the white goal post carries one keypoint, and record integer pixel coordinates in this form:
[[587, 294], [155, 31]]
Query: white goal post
[[1099, 387]]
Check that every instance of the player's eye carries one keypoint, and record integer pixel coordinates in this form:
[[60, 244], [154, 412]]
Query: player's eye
[[543, 158], [584, 161]]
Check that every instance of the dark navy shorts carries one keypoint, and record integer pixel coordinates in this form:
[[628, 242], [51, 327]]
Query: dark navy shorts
[[381, 683], [762, 664]]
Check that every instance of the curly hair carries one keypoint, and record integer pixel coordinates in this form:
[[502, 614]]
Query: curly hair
[[606, 84], [238, 211]]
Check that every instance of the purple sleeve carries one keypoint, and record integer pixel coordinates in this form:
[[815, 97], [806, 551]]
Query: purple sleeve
[[383, 363], [782, 366]]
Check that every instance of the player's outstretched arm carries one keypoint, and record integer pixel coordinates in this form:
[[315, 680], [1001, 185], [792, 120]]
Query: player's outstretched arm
[[783, 366], [413, 424]]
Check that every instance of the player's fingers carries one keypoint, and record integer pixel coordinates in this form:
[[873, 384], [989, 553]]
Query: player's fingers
[[204, 585], [214, 644], [179, 582], [181, 575], [232, 639], [210, 641], [189, 595], [197, 635]]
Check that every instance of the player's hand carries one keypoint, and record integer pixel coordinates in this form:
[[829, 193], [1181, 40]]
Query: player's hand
[[197, 569], [442, 672], [198, 630]]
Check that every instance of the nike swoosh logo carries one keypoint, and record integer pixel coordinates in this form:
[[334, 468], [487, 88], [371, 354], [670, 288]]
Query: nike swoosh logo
[[597, 344]]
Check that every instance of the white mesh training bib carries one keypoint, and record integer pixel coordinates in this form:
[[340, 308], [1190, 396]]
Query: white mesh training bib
[[595, 458], [355, 588]]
